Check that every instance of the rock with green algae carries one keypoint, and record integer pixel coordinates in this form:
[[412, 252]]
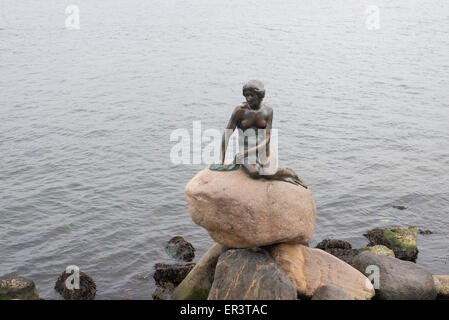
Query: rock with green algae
[[402, 240], [197, 284], [380, 250], [442, 286], [18, 289]]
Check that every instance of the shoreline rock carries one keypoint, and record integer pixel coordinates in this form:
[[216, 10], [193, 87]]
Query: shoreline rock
[[167, 277], [339, 248], [402, 240], [397, 279], [87, 290], [18, 289], [178, 248], [250, 274]]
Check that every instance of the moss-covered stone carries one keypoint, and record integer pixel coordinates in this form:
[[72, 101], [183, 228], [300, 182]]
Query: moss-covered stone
[[197, 284], [402, 240], [442, 286], [380, 250], [18, 289]]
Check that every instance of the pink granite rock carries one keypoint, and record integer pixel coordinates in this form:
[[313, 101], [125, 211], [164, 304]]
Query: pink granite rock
[[241, 212]]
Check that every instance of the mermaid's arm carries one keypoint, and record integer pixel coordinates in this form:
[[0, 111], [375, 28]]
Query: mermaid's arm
[[232, 124]]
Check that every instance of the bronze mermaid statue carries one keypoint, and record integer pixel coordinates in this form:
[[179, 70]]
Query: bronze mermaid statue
[[257, 117]]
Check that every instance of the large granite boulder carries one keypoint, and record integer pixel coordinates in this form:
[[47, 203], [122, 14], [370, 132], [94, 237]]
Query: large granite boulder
[[198, 282], [398, 279], [310, 269], [250, 274], [241, 212], [18, 289], [442, 286], [402, 240]]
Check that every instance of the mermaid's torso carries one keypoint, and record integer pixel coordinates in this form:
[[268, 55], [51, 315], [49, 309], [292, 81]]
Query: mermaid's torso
[[252, 131]]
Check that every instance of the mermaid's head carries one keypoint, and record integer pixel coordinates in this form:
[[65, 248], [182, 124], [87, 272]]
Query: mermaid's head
[[254, 93]]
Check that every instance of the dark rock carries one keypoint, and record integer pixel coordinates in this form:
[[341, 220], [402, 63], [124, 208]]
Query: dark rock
[[347, 255], [250, 274], [402, 240], [163, 292], [171, 273], [421, 231], [18, 289], [330, 292], [338, 248], [398, 279], [333, 244], [87, 290], [400, 207], [179, 248]]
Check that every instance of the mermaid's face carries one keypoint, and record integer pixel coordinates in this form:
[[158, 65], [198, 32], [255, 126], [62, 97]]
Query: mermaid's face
[[252, 98]]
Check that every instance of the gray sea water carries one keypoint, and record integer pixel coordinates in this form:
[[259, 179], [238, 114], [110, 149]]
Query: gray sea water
[[86, 117]]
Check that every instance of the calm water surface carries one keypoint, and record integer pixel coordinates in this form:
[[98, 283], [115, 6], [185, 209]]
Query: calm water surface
[[86, 117]]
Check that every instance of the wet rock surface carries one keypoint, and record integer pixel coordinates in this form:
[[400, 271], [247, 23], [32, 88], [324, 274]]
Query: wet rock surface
[[87, 287], [177, 247], [18, 288], [250, 274]]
